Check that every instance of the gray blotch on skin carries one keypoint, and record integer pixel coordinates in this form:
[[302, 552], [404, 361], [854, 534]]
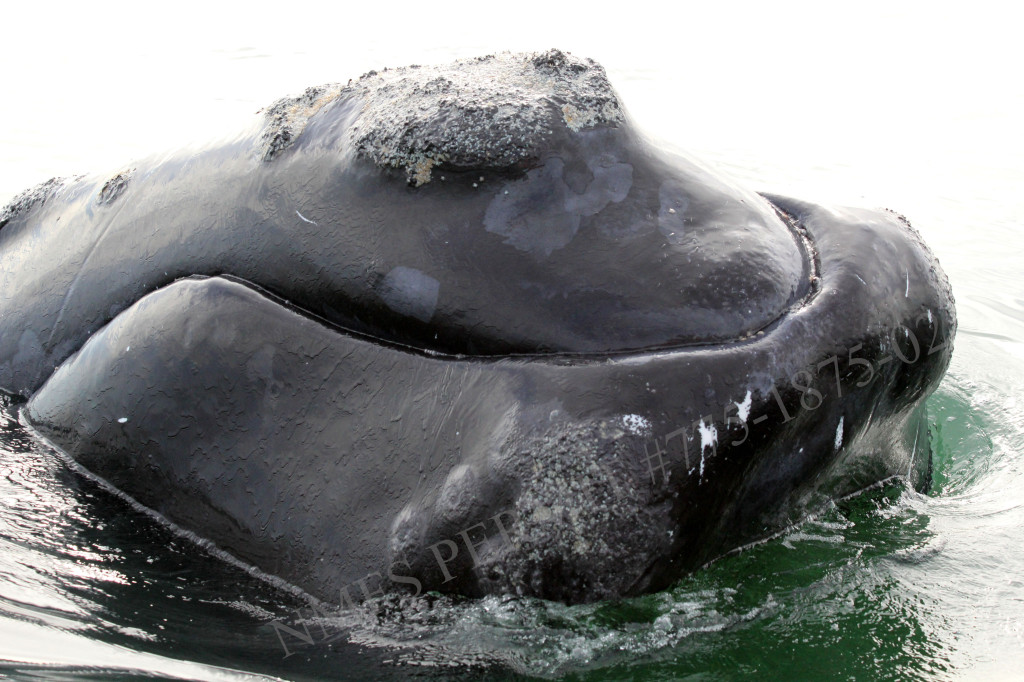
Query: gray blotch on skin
[[610, 185], [410, 292], [541, 213], [533, 214]]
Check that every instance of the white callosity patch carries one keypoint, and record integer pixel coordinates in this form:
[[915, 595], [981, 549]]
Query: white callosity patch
[[708, 439], [636, 424], [839, 435], [114, 187], [743, 408], [488, 112], [577, 118]]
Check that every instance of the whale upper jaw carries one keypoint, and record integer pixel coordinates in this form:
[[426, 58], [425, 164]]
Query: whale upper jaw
[[570, 477]]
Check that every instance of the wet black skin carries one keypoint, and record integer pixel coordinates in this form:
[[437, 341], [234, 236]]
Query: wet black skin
[[227, 341]]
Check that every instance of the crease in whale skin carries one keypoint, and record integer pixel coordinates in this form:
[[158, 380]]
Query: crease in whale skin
[[381, 342]]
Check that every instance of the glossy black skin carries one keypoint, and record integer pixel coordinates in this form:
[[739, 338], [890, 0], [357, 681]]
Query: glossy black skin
[[69, 266], [289, 416]]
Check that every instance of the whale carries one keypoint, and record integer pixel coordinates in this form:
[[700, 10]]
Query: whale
[[464, 329]]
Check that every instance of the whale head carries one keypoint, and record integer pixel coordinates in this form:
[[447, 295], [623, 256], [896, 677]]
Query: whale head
[[464, 328]]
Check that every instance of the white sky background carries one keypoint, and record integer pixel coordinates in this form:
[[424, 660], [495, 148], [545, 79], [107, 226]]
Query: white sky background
[[101, 76], [883, 103]]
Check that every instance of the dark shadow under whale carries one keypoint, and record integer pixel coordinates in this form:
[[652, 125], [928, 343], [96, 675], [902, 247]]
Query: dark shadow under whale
[[462, 329]]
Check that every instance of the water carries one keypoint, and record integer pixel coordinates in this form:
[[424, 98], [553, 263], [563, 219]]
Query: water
[[875, 105]]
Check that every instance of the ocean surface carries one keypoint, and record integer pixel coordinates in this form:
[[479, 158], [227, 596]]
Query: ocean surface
[[878, 105]]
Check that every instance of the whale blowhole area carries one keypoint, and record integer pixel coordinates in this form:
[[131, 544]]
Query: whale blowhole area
[[495, 112]]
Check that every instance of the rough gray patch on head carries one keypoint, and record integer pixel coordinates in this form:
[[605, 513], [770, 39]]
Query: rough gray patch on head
[[410, 292], [489, 112], [287, 118], [115, 187], [585, 526], [29, 199]]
